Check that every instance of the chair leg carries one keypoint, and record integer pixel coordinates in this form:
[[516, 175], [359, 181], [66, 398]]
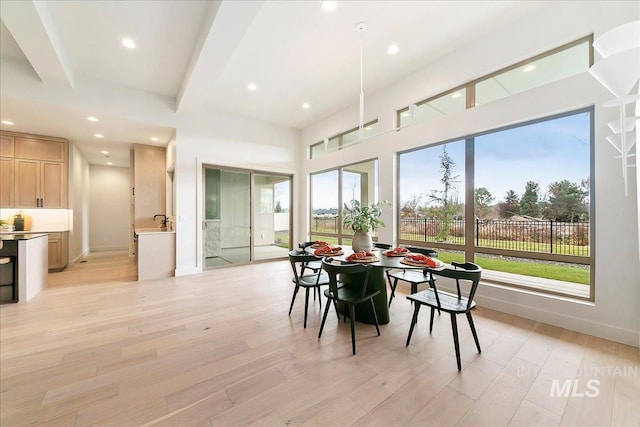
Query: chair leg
[[393, 290], [413, 321], [293, 298], [317, 290], [335, 305], [375, 315], [352, 313], [473, 331], [324, 317], [454, 327], [433, 310], [306, 305]]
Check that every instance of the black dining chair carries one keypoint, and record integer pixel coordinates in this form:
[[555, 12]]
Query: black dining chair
[[314, 266], [314, 281], [348, 295], [414, 276], [453, 304]]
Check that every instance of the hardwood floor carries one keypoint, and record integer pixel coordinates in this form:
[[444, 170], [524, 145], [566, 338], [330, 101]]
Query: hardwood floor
[[218, 349]]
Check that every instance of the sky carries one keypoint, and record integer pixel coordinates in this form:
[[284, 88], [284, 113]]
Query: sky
[[543, 152]]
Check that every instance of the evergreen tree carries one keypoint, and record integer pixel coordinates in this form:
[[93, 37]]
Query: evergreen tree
[[445, 197], [567, 201], [529, 202], [483, 200]]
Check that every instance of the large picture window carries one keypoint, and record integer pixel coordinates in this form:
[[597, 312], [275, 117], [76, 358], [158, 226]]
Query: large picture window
[[330, 190], [527, 220]]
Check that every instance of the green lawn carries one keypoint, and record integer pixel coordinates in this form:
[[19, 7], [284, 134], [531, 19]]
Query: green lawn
[[564, 272]]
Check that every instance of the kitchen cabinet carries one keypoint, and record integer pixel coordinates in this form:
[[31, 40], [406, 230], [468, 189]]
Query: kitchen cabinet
[[36, 172], [58, 250]]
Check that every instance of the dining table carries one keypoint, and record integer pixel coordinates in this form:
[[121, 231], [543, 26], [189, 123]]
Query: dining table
[[377, 281]]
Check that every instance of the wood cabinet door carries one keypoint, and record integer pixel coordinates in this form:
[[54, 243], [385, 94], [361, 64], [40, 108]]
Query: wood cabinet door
[[39, 149], [6, 146], [27, 183], [7, 182], [53, 185], [55, 251]]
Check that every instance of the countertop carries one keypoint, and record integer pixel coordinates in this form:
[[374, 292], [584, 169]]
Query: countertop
[[20, 236], [153, 231], [34, 231]]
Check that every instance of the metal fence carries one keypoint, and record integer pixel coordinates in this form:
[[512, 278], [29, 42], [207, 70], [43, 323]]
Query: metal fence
[[565, 238]]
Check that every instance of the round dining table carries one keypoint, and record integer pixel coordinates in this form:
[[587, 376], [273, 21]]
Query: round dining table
[[376, 281]]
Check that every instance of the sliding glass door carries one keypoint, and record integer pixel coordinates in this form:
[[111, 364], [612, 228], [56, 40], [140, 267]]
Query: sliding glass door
[[246, 216]]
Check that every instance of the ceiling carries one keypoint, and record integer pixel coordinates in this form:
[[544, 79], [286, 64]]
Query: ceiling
[[203, 54]]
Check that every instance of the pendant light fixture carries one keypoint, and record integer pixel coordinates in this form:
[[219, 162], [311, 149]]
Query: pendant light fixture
[[361, 28]]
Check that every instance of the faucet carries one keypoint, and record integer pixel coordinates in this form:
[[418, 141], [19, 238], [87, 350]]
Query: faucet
[[164, 220]]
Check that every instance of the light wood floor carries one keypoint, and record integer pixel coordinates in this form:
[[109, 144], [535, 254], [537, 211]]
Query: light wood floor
[[218, 349]]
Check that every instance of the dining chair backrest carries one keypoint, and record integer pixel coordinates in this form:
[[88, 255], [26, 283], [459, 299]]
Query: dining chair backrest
[[381, 245], [299, 258], [424, 251], [467, 272], [302, 245], [334, 268]]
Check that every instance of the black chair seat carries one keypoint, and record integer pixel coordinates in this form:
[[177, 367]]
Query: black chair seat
[[453, 304], [412, 276], [351, 295], [299, 260], [449, 303]]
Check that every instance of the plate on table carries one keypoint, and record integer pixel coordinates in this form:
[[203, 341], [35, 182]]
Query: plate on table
[[397, 252], [319, 244], [362, 257], [328, 251], [419, 260]]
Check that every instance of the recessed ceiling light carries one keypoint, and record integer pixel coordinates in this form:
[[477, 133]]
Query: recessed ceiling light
[[92, 119], [528, 68], [393, 49], [104, 152], [7, 122], [329, 6], [456, 95], [109, 163], [252, 86], [99, 135], [126, 42], [305, 106], [153, 138]]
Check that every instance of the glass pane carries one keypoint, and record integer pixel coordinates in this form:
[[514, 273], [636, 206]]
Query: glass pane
[[439, 107], [432, 188], [271, 216], [568, 62], [324, 202], [359, 182], [533, 193], [227, 238], [317, 150]]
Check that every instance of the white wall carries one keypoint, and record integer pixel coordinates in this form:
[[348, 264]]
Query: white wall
[[79, 180], [615, 314], [109, 208], [222, 139]]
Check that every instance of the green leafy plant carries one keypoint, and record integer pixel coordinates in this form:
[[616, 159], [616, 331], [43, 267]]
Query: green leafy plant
[[363, 218]]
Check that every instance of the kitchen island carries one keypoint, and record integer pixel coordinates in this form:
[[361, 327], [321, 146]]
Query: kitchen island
[[155, 253], [30, 255]]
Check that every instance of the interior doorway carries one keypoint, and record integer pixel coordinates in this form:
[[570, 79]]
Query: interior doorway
[[247, 216]]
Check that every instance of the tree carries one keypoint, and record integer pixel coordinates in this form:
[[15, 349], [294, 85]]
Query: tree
[[567, 201], [278, 207], [510, 206], [445, 197], [410, 208], [483, 200], [529, 203]]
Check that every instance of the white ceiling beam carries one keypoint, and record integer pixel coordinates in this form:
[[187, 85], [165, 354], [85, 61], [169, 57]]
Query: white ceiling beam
[[31, 25], [222, 32]]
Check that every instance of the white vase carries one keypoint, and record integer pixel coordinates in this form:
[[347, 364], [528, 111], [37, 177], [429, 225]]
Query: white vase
[[361, 241]]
